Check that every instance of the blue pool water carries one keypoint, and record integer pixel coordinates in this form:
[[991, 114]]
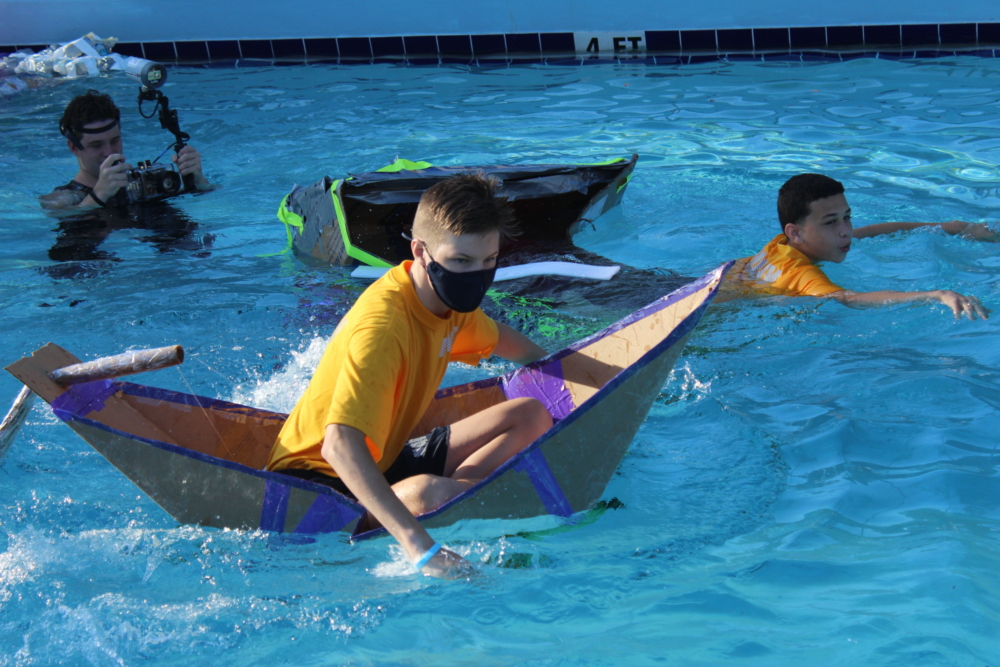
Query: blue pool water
[[814, 485]]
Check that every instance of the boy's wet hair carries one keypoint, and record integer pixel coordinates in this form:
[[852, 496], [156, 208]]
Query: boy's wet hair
[[84, 109], [799, 192], [463, 204]]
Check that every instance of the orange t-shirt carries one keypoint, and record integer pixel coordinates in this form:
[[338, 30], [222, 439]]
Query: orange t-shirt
[[380, 372], [782, 268]]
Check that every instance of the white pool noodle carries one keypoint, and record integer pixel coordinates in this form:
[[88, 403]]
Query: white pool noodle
[[567, 269]]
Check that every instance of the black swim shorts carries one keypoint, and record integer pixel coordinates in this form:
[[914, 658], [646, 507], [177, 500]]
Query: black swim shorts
[[425, 455]]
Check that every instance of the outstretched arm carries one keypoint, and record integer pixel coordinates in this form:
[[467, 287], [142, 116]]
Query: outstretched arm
[[959, 304], [345, 450], [515, 346], [972, 230]]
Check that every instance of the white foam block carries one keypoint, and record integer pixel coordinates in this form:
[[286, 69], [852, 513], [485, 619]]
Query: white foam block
[[567, 269]]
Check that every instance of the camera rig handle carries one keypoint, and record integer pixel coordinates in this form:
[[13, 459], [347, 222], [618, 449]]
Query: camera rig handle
[[168, 121]]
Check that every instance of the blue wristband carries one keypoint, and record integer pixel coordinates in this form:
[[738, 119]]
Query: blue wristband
[[419, 565]]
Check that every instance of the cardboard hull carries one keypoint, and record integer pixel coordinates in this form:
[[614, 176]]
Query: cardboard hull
[[201, 459]]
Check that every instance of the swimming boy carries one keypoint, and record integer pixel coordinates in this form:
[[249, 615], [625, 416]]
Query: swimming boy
[[816, 227], [385, 361], [91, 124]]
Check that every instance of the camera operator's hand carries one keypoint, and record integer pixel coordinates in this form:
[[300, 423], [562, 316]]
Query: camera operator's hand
[[112, 177], [189, 162]]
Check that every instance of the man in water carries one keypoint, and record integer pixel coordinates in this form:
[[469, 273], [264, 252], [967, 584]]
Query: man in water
[[91, 124], [351, 428]]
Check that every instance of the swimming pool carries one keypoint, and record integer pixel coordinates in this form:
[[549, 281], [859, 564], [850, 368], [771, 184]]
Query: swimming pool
[[815, 484]]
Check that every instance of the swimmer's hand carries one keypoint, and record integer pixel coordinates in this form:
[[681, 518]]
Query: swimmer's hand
[[188, 161], [962, 305], [112, 177], [976, 231], [447, 564]]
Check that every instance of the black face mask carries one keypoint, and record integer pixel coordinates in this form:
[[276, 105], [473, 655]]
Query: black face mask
[[462, 292]]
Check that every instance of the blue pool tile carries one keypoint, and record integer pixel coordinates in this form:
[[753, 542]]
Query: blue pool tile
[[557, 42], [735, 40], [698, 40], [131, 49], [423, 60], [663, 40], [486, 45], [980, 53], [742, 57], [354, 47], [668, 60], [698, 58], [284, 48], [523, 43], [936, 53], [770, 39], [895, 55], [159, 51], [190, 51], [224, 50], [387, 46], [322, 48], [455, 45], [808, 38], [256, 48], [958, 33], [421, 45], [920, 35], [882, 35], [457, 60], [845, 35], [989, 33]]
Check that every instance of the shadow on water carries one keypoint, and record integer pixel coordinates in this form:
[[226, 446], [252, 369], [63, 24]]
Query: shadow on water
[[80, 235]]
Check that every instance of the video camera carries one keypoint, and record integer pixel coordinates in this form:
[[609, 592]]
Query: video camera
[[148, 181]]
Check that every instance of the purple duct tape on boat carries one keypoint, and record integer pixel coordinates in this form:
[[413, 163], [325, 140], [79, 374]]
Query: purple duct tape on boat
[[534, 465], [272, 512], [325, 515], [82, 399], [545, 383]]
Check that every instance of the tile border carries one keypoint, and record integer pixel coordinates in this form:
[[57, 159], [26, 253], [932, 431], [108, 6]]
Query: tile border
[[660, 47]]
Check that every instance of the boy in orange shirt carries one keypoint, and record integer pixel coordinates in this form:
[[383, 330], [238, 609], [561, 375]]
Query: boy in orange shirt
[[385, 361], [816, 227]]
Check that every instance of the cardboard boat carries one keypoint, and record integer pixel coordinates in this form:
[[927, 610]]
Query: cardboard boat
[[201, 459], [362, 218]]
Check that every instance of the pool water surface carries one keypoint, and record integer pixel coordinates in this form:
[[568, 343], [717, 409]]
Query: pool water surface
[[814, 484]]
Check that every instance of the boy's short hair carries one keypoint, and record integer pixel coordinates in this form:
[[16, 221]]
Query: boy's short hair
[[84, 109], [799, 192], [463, 204]]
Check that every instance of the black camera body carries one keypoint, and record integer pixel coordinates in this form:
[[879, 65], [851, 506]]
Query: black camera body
[[150, 182]]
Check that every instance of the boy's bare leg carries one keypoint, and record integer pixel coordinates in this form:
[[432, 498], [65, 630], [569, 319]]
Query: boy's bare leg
[[477, 446], [480, 443]]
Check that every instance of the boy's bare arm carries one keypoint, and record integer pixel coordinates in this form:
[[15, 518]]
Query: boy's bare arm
[[972, 230], [959, 304], [344, 448], [515, 346]]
